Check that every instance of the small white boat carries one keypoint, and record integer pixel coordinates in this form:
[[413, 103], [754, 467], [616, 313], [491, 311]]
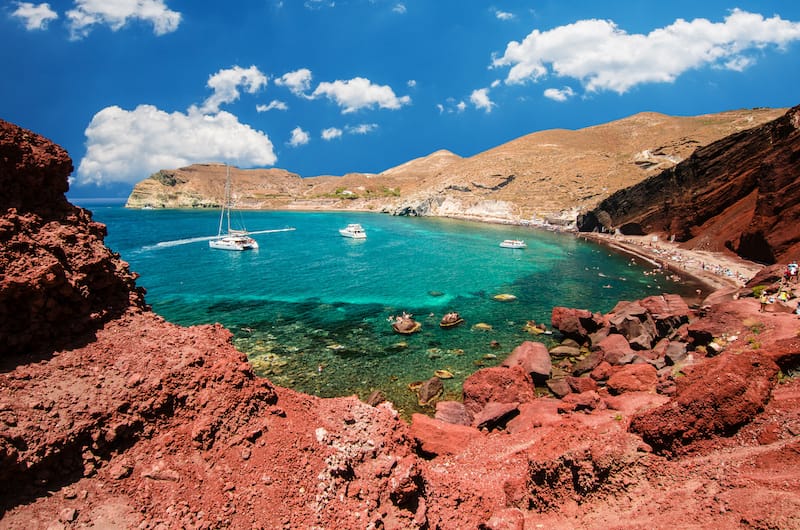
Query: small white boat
[[513, 243], [231, 239], [354, 230]]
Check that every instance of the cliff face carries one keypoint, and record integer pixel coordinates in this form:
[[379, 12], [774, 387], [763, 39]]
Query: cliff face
[[545, 175], [58, 279], [741, 193]]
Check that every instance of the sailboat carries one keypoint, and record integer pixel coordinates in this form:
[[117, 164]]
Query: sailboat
[[230, 239]]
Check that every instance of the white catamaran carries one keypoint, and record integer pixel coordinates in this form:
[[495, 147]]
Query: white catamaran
[[232, 239]]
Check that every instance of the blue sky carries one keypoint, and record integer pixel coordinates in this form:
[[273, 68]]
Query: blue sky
[[326, 87]]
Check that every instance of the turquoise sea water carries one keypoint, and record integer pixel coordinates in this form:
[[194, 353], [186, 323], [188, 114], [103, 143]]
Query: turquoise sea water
[[310, 308]]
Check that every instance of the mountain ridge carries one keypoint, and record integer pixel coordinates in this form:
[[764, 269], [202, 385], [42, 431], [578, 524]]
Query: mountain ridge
[[545, 175]]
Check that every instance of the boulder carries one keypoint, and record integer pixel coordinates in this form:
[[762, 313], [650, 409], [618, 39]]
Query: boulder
[[453, 412], [581, 384], [633, 378], [714, 401], [497, 384], [669, 312], [430, 390], [534, 358], [559, 387], [587, 364], [576, 324], [614, 348], [434, 437], [495, 415], [634, 322], [585, 401]]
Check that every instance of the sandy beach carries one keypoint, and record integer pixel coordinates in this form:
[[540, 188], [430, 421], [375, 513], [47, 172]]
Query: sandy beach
[[715, 270]]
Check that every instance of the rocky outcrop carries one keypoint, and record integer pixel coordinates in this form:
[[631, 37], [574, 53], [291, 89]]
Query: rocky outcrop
[[59, 281], [739, 193]]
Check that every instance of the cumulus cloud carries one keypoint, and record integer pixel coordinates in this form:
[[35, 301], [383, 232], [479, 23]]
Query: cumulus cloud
[[34, 16], [226, 83], [299, 137], [116, 14], [480, 98], [126, 146], [273, 105], [298, 82], [359, 93], [559, 94], [331, 133], [604, 57], [503, 15]]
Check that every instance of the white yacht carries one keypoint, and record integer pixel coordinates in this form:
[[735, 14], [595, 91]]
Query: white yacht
[[513, 243], [354, 230], [230, 239]]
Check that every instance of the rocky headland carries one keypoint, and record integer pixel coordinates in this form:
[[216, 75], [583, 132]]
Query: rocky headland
[[547, 176], [656, 415]]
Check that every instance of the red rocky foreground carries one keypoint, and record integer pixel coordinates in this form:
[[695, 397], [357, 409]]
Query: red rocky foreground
[[112, 418]]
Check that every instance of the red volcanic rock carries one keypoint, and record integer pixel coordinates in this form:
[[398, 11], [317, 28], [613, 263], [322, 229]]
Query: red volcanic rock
[[581, 384], [635, 323], [453, 412], [576, 324], [738, 193], [534, 358], [614, 348], [59, 280], [633, 378], [497, 384], [495, 415], [727, 393], [435, 437]]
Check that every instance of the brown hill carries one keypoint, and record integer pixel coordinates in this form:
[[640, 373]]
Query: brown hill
[[545, 175], [741, 193]]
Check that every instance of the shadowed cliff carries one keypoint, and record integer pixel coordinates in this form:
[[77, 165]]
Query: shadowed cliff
[[741, 193]]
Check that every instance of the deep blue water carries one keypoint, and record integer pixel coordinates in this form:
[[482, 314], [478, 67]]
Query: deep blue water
[[310, 308]]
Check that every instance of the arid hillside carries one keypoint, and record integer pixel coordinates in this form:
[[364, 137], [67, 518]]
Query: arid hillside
[[551, 174]]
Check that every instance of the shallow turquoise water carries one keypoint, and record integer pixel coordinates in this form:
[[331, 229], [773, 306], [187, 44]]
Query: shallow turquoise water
[[310, 308]]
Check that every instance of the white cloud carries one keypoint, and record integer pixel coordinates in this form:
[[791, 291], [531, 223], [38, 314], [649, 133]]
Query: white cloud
[[604, 57], [480, 98], [461, 106], [127, 146], [559, 94], [503, 15], [399, 8], [299, 137], [34, 16], [411, 83], [331, 133], [359, 93], [226, 83], [363, 128], [273, 105], [116, 14], [298, 82]]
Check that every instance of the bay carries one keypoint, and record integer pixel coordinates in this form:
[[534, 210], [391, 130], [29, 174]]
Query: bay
[[312, 310]]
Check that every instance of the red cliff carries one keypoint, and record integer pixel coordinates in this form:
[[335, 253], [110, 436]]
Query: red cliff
[[741, 193]]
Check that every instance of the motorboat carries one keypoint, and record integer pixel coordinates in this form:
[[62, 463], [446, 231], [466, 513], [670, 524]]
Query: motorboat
[[513, 243], [229, 238], [353, 230]]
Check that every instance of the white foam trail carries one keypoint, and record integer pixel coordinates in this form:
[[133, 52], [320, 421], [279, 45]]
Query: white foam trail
[[176, 242]]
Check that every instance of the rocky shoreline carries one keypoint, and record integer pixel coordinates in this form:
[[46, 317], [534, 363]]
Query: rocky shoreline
[[665, 414]]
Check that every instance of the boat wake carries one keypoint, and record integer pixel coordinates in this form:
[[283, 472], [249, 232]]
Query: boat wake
[[176, 242]]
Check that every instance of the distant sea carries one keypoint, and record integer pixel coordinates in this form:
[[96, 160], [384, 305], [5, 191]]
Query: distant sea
[[311, 309]]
